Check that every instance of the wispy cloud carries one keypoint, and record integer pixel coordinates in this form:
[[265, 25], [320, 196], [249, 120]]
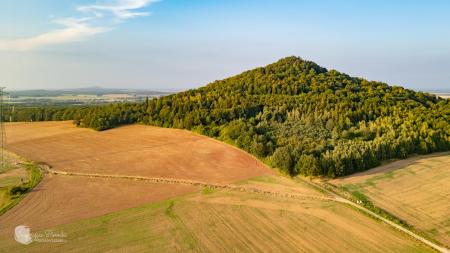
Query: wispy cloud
[[122, 9], [73, 30], [80, 29]]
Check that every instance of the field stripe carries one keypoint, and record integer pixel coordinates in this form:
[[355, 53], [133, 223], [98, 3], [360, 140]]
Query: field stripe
[[159, 180]]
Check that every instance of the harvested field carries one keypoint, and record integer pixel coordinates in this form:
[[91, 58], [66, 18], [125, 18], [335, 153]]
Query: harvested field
[[102, 208], [62, 199], [418, 191], [13, 177], [220, 221], [281, 184], [132, 150]]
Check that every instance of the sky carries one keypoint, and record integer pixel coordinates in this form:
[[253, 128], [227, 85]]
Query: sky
[[180, 44]]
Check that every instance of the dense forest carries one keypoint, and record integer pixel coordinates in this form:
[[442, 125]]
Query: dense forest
[[293, 114]]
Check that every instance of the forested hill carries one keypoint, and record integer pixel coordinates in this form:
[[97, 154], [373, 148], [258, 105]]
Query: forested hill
[[294, 115]]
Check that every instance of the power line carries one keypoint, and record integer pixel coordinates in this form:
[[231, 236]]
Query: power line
[[2, 126]]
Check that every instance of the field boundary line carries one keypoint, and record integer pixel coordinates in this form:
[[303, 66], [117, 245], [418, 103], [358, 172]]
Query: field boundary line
[[159, 180]]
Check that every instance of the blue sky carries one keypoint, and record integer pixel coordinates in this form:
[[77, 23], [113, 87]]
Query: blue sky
[[175, 44]]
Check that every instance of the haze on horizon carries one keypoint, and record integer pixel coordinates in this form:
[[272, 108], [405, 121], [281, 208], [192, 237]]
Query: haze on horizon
[[175, 45]]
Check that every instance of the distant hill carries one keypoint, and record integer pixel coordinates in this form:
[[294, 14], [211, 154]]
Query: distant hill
[[443, 93], [94, 90], [439, 91], [297, 116]]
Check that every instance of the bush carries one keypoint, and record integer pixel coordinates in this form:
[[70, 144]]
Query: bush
[[308, 165], [18, 190], [282, 159]]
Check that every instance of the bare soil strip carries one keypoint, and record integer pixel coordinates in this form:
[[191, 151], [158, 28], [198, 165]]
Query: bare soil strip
[[192, 183]]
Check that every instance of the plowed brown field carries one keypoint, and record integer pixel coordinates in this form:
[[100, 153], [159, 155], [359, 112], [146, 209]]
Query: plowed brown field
[[132, 150], [62, 199]]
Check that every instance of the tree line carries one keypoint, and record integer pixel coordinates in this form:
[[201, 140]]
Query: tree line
[[293, 114]]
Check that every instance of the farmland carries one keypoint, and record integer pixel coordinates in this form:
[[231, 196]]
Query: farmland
[[415, 190], [132, 150], [80, 96], [57, 200], [17, 177], [13, 171], [199, 126], [110, 213], [217, 221]]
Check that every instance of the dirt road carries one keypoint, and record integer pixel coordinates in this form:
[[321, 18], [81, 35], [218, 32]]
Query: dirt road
[[394, 225]]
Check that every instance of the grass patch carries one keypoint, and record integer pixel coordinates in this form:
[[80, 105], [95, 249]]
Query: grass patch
[[307, 182], [169, 210], [11, 180], [12, 194], [367, 203], [265, 179], [6, 167], [372, 182], [207, 190], [180, 230]]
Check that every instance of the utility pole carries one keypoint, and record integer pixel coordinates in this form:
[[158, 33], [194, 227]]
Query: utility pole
[[12, 109], [2, 126]]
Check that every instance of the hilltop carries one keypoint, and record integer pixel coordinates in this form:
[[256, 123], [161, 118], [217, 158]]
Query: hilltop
[[294, 115]]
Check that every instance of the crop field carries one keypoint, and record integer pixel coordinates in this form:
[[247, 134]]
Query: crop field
[[59, 199], [218, 221], [416, 190], [109, 213], [83, 96], [132, 150], [13, 172]]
